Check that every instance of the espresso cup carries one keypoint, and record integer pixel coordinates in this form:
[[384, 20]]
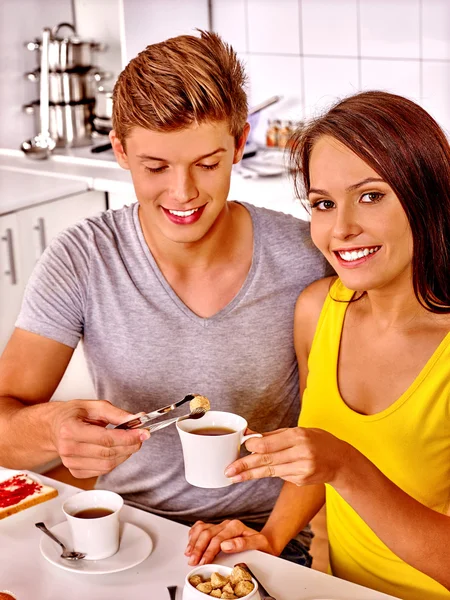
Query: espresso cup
[[206, 456], [97, 536]]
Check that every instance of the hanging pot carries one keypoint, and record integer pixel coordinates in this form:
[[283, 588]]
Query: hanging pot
[[70, 124], [68, 52], [71, 86]]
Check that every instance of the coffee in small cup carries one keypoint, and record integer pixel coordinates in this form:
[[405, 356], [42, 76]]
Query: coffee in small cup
[[93, 513], [94, 523]]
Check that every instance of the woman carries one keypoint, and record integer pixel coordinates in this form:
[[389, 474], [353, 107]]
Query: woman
[[373, 348]]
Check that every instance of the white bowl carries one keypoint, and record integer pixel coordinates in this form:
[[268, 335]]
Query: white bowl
[[190, 593]]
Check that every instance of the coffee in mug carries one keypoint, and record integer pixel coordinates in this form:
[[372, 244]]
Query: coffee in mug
[[209, 445]]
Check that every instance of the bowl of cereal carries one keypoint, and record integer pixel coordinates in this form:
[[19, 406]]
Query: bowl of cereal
[[218, 581]]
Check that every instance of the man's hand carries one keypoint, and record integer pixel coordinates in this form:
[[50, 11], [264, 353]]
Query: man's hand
[[86, 447], [206, 540]]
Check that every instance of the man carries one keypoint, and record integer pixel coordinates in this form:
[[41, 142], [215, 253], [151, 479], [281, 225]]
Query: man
[[182, 292]]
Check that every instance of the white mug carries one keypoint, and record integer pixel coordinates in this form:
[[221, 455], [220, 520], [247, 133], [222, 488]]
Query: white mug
[[97, 537], [207, 456]]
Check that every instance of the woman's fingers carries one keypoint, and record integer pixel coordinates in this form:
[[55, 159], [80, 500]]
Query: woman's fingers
[[205, 541], [248, 541], [267, 461], [200, 538]]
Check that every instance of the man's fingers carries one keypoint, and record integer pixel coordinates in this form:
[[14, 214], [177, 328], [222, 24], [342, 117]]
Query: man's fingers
[[81, 431], [95, 451], [103, 410]]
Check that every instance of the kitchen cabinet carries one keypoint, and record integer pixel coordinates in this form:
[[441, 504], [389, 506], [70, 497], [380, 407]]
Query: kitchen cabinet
[[24, 234]]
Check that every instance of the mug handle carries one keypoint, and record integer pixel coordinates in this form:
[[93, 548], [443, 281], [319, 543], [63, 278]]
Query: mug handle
[[247, 437]]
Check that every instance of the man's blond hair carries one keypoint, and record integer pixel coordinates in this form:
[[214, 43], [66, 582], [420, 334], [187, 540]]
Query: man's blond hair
[[181, 81]]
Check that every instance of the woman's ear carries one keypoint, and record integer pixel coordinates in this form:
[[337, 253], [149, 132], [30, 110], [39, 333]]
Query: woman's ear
[[239, 150], [118, 150]]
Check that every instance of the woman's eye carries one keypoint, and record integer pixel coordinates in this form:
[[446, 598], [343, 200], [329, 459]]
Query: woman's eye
[[209, 167], [371, 197], [322, 205], [157, 170]]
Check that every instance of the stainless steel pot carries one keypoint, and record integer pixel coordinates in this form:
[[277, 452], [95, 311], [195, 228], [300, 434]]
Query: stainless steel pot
[[103, 103], [67, 52], [70, 124], [71, 86]]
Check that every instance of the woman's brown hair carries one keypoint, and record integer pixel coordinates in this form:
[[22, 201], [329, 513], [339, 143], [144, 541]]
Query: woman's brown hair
[[409, 150], [178, 82]]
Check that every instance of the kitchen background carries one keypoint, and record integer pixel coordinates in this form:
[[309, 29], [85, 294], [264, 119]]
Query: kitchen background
[[308, 51]]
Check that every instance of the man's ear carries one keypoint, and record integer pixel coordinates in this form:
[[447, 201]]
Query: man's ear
[[119, 150], [239, 150]]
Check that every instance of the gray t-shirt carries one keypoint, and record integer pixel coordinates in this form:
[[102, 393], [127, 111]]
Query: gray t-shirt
[[145, 348]]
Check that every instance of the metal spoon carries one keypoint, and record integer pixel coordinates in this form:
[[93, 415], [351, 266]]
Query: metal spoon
[[68, 554], [197, 413], [41, 145], [172, 589]]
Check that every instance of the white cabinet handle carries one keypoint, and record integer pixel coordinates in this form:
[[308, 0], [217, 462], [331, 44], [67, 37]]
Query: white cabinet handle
[[40, 228], [8, 238]]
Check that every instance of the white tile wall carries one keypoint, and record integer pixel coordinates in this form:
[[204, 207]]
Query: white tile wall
[[230, 21], [147, 22], [390, 28], [100, 20], [341, 47], [436, 28], [329, 28], [310, 51], [397, 76], [273, 26], [436, 91], [328, 79]]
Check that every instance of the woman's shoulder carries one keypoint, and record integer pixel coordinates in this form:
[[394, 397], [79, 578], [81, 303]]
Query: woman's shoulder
[[309, 307]]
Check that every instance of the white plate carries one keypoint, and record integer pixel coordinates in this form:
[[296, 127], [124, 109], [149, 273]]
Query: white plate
[[135, 546], [8, 473]]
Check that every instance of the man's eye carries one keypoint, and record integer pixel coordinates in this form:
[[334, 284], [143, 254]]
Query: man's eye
[[371, 197], [209, 167], [322, 205], [157, 170]]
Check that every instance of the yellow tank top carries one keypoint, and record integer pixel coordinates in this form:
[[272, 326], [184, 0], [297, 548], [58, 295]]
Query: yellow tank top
[[409, 442]]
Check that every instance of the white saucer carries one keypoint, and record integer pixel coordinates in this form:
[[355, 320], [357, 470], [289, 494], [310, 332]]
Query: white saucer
[[135, 546]]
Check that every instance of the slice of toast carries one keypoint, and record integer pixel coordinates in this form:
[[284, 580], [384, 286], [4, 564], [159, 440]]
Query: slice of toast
[[20, 492]]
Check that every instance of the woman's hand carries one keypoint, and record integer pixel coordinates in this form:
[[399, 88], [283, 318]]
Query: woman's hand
[[304, 456], [206, 540]]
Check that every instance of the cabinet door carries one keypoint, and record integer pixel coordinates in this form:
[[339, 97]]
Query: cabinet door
[[12, 282], [40, 224]]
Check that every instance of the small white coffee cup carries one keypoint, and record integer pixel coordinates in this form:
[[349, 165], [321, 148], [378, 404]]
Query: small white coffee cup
[[97, 537], [207, 456]]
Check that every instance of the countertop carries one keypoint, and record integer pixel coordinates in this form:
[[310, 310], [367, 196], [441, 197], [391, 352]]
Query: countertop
[[25, 572], [79, 170]]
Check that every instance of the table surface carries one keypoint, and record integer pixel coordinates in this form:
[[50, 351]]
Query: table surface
[[27, 574]]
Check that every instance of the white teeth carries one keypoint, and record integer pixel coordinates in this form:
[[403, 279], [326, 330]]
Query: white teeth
[[356, 254], [183, 213]]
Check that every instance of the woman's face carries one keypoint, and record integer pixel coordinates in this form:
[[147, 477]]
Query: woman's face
[[357, 221]]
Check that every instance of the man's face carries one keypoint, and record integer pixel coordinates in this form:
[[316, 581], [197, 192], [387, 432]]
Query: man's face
[[181, 178]]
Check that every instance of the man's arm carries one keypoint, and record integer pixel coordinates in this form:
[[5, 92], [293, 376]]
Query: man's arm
[[34, 430]]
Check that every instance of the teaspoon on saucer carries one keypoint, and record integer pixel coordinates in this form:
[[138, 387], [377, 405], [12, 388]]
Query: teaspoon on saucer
[[68, 554]]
